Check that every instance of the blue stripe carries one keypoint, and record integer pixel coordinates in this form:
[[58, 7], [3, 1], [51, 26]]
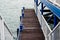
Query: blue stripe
[[53, 8]]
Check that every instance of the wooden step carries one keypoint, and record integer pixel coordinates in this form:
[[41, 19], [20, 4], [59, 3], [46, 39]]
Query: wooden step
[[29, 16], [29, 13], [29, 10], [32, 31], [30, 20], [32, 36], [34, 23], [31, 27]]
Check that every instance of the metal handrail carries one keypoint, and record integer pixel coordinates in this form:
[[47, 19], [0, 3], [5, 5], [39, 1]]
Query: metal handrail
[[21, 24], [42, 16], [51, 31], [36, 1], [7, 27], [9, 30]]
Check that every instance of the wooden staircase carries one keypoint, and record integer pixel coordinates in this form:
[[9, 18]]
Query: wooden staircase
[[31, 29]]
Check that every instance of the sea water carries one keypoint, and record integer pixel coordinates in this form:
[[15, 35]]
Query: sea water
[[10, 10]]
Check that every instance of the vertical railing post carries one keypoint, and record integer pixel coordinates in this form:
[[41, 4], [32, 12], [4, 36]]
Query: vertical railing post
[[21, 28], [36, 2], [17, 31], [23, 11], [36, 6], [21, 25], [42, 8], [20, 18], [55, 20], [55, 23]]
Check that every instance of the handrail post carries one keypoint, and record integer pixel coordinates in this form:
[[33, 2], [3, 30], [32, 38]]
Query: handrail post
[[55, 23], [42, 8], [36, 6], [21, 28], [21, 25], [20, 18], [23, 11], [36, 2], [17, 31], [55, 20]]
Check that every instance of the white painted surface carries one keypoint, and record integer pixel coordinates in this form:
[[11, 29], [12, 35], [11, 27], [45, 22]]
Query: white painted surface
[[2, 30], [4, 33]]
